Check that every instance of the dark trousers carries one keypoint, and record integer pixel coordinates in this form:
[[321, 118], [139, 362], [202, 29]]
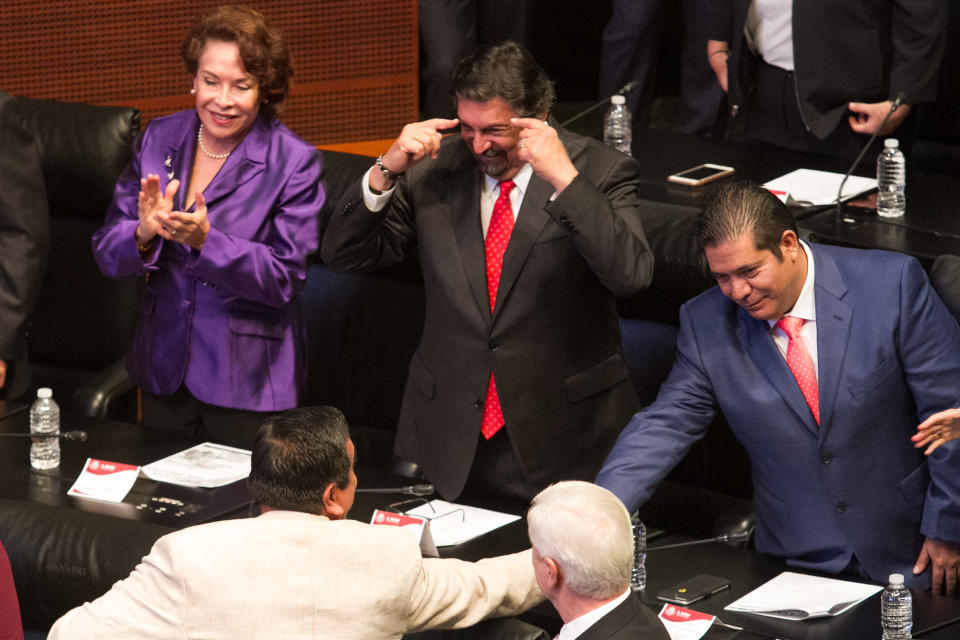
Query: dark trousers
[[772, 116], [182, 412], [630, 49], [496, 470]]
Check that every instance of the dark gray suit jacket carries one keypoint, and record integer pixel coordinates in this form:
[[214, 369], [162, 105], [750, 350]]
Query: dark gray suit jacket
[[553, 339], [843, 52], [629, 620], [24, 240]]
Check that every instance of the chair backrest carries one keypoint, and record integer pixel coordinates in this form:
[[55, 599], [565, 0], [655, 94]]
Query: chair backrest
[[83, 321], [945, 278]]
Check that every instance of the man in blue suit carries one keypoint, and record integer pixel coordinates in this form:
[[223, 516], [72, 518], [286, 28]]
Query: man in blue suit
[[838, 487]]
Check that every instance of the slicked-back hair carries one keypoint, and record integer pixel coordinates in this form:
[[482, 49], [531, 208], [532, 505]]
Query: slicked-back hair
[[262, 50], [586, 530], [296, 455], [508, 71], [743, 209]]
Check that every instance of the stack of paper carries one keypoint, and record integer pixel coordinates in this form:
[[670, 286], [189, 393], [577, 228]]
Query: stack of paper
[[795, 596], [205, 465], [452, 523], [808, 187]]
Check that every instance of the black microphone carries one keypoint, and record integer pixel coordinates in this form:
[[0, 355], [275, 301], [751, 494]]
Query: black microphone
[[624, 90], [893, 107], [79, 436], [409, 490], [736, 536]]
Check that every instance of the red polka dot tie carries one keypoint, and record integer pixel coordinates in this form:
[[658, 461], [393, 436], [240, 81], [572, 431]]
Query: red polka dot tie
[[800, 363], [498, 236]]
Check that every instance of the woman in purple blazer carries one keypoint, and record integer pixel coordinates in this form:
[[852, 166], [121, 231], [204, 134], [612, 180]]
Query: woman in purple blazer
[[218, 211]]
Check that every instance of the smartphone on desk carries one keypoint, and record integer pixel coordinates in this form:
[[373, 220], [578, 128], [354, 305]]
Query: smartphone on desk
[[696, 588], [701, 174]]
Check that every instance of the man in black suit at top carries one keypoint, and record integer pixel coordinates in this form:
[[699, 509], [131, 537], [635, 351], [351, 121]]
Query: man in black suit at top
[[519, 378], [582, 557], [24, 243]]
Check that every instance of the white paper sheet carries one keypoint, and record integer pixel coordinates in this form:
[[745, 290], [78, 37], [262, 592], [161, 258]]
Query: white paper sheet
[[808, 187], [452, 523], [104, 480], [796, 596], [204, 465]]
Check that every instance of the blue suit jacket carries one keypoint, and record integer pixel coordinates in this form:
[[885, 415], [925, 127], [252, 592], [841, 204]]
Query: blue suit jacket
[[889, 356], [225, 320]]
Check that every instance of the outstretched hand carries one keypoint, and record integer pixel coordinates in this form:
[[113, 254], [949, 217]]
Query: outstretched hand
[[945, 559], [938, 429]]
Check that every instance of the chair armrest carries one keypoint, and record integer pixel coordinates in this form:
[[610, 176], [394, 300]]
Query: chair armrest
[[93, 397]]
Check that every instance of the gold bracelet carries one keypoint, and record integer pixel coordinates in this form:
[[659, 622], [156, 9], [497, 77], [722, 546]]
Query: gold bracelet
[[726, 51], [143, 248]]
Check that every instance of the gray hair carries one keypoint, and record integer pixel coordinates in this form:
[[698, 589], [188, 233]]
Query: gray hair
[[586, 530]]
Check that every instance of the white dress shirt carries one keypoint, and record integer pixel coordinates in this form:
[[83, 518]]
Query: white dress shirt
[[769, 31], [805, 308], [489, 191], [577, 626]]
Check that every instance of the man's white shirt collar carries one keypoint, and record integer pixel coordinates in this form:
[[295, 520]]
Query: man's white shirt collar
[[577, 626]]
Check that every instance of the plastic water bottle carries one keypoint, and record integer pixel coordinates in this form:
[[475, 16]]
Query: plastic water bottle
[[618, 125], [891, 180], [638, 575], [45, 419], [896, 610]]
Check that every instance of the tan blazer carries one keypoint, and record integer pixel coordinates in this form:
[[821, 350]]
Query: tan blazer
[[295, 575]]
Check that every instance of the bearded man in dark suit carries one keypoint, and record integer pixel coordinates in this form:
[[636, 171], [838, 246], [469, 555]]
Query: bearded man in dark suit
[[525, 234]]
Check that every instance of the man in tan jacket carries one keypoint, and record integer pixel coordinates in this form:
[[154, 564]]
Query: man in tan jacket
[[300, 569]]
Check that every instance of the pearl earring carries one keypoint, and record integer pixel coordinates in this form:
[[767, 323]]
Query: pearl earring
[[193, 92]]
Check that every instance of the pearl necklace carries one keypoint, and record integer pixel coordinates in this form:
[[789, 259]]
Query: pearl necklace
[[215, 156]]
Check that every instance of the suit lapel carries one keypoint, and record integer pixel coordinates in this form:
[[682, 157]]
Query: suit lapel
[[756, 340], [530, 223], [464, 194], [178, 162], [246, 162], [834, 321]]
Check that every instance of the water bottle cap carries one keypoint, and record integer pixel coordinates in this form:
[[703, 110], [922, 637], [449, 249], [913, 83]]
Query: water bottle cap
[[891, 143], [896, 578], [618, 99], [44, 392]]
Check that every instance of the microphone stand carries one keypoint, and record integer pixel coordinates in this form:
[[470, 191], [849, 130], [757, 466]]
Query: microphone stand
[[893, 107], [725, 538], [79, 436], [624, 90]]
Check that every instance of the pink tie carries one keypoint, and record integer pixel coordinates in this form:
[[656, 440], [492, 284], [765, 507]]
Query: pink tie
[[800, 363], [498, 236]]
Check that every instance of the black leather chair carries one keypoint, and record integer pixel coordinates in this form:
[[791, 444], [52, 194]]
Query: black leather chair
[[83, 321], [62, 559], [945, 278]]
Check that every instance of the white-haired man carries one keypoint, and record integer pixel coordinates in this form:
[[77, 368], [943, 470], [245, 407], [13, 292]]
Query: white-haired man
[[582, 556]]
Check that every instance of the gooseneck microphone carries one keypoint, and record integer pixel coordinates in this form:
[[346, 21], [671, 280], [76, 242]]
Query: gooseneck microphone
[[624, 90], [893, 107], [79, 436], [737, 536], [418, 490]]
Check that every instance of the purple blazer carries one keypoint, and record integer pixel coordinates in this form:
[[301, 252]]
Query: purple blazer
[[226, 320]]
